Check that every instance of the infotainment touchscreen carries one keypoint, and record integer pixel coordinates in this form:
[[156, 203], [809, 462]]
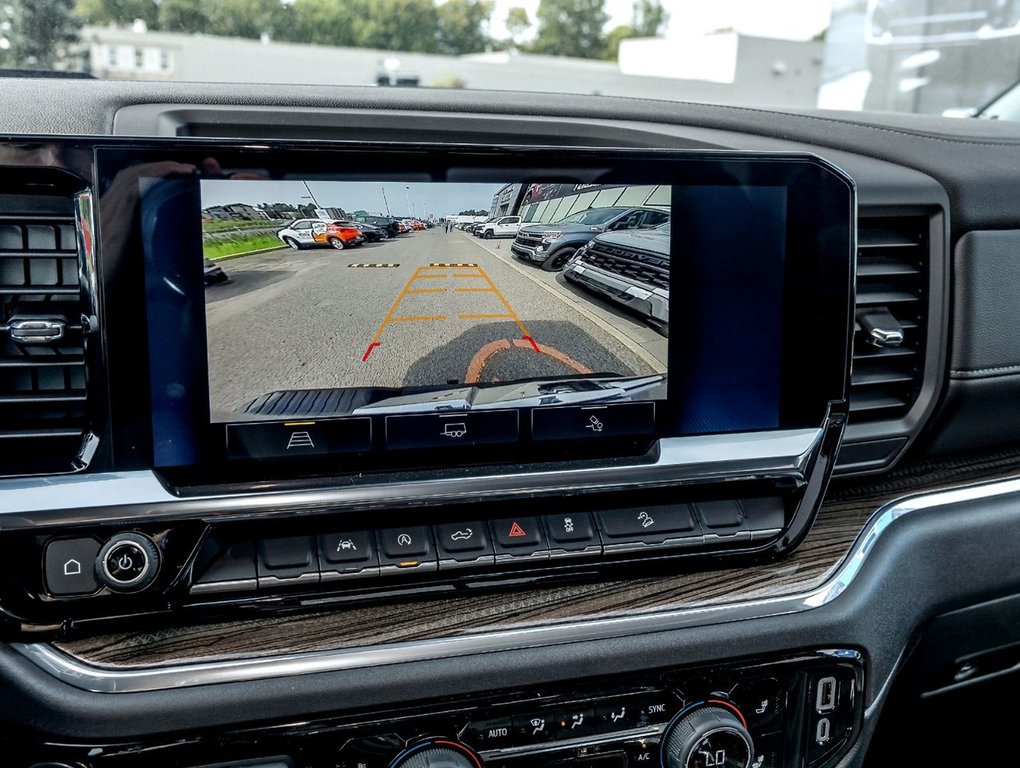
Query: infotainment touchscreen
[[336, 298], [351, 308]]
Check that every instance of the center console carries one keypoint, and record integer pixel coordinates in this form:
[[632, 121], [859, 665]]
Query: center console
[[799, 711], [330, 377]]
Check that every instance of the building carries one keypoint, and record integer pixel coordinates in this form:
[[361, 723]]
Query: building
[[548, 203], [503, 201], [235, 211], [126, 54]]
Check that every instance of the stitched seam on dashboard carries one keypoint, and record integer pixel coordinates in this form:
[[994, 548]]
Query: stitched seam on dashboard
[[970, 373]]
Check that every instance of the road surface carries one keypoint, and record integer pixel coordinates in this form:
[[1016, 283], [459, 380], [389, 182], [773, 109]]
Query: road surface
[[425, 308]]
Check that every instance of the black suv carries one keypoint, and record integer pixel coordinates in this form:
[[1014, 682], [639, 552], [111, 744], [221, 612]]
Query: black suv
[[552, 245], [389, 227]]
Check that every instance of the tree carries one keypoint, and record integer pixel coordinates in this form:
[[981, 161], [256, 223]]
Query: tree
[[461, 26], [616, 34], [517, 23], [571, 28], [37, 34], [183, 16], [120, 12], [401, 25], [648, 18], [245, 18], [326, 22]]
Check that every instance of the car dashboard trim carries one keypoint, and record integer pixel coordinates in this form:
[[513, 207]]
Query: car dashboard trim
[[140, 495], [111, 679]]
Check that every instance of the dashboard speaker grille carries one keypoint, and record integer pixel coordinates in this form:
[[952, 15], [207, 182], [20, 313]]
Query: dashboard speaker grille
[[891, 317], [43, 371]]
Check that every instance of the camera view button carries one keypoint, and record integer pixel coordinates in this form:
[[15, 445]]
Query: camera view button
[[451, 430], [573, 422], [295, 439]]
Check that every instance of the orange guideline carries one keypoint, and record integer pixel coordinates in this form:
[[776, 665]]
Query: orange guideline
[[431, 273]]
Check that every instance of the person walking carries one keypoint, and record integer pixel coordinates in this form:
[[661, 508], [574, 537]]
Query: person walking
[[449, 226]]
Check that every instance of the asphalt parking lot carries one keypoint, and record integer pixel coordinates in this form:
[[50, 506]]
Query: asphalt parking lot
[[425, 308]]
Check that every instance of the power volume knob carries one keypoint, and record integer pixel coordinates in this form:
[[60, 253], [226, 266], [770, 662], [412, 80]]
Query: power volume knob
[[128, 562], [438, 754], [708, 737]]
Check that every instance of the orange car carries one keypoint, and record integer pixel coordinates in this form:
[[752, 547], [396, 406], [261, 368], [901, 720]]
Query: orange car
[[339, 235]]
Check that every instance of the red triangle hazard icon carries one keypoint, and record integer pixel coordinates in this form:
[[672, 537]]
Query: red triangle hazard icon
[[516, 530]]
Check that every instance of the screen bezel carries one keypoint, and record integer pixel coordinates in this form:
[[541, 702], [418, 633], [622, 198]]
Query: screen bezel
[[818, 294]]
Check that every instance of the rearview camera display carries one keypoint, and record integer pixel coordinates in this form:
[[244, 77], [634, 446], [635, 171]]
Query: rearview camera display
[[336, 298]]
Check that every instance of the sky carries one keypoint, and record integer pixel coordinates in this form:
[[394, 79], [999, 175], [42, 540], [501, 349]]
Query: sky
[[438, 199]]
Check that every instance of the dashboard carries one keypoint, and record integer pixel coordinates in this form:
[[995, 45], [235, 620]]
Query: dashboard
[[307, 462]]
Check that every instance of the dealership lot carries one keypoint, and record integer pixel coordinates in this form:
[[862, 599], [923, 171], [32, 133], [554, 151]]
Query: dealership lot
[[394, 313]]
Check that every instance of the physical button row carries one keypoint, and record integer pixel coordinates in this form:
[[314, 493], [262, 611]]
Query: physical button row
[[358, 554], [571, 721]]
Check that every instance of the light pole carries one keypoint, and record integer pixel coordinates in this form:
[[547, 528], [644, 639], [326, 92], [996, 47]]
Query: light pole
[[407, 194], [385, 201], [309, 191]]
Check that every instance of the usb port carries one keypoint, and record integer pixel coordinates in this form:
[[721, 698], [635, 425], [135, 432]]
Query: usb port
[[823, 731], [825, 699]]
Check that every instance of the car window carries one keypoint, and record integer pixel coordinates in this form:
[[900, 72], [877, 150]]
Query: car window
[[654, 218], [632, 221], [302, 225]]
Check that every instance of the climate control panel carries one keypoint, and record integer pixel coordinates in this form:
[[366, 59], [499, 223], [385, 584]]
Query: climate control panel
[[800, 711]]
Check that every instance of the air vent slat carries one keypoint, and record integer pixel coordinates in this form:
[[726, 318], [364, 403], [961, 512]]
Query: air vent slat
[[46, 434], [29, 253], [869, 402], [867, 352], [882, 266], [882, 237], [10, 290], [33, 362], [43, 397], [892, 274], [872, 298], [881, 378]]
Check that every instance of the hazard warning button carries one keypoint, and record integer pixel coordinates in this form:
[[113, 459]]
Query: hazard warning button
[[519, 537]]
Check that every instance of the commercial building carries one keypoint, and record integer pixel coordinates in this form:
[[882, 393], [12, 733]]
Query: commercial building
[[547, 203]]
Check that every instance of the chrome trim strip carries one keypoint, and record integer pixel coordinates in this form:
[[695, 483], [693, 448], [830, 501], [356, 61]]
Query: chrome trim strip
[[105, 497], [109, 679], [88, 270]]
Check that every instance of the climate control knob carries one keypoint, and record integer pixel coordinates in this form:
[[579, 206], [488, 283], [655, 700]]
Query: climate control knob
[[438, 754], [705, 736]]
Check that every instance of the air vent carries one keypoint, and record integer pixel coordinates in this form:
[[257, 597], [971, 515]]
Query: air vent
[[43, 396], [891, 315]]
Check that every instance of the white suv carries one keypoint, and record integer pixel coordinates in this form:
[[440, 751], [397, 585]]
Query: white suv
[[504, 227], [301, 233]]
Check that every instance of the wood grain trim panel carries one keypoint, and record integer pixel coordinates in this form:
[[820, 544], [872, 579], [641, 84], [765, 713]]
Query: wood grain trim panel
[[847, 509]]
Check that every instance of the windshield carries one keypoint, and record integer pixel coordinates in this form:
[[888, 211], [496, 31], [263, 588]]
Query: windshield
[[921, 56], [593, 216]]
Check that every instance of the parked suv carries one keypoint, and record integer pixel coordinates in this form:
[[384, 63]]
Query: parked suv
[[505, 226], [389, 226], [307, 233], [630, 268], [553, 245]]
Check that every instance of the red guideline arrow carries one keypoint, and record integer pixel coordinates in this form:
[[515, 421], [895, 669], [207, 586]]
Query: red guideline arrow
[[531, 341], [516, 530], [373, 345]]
